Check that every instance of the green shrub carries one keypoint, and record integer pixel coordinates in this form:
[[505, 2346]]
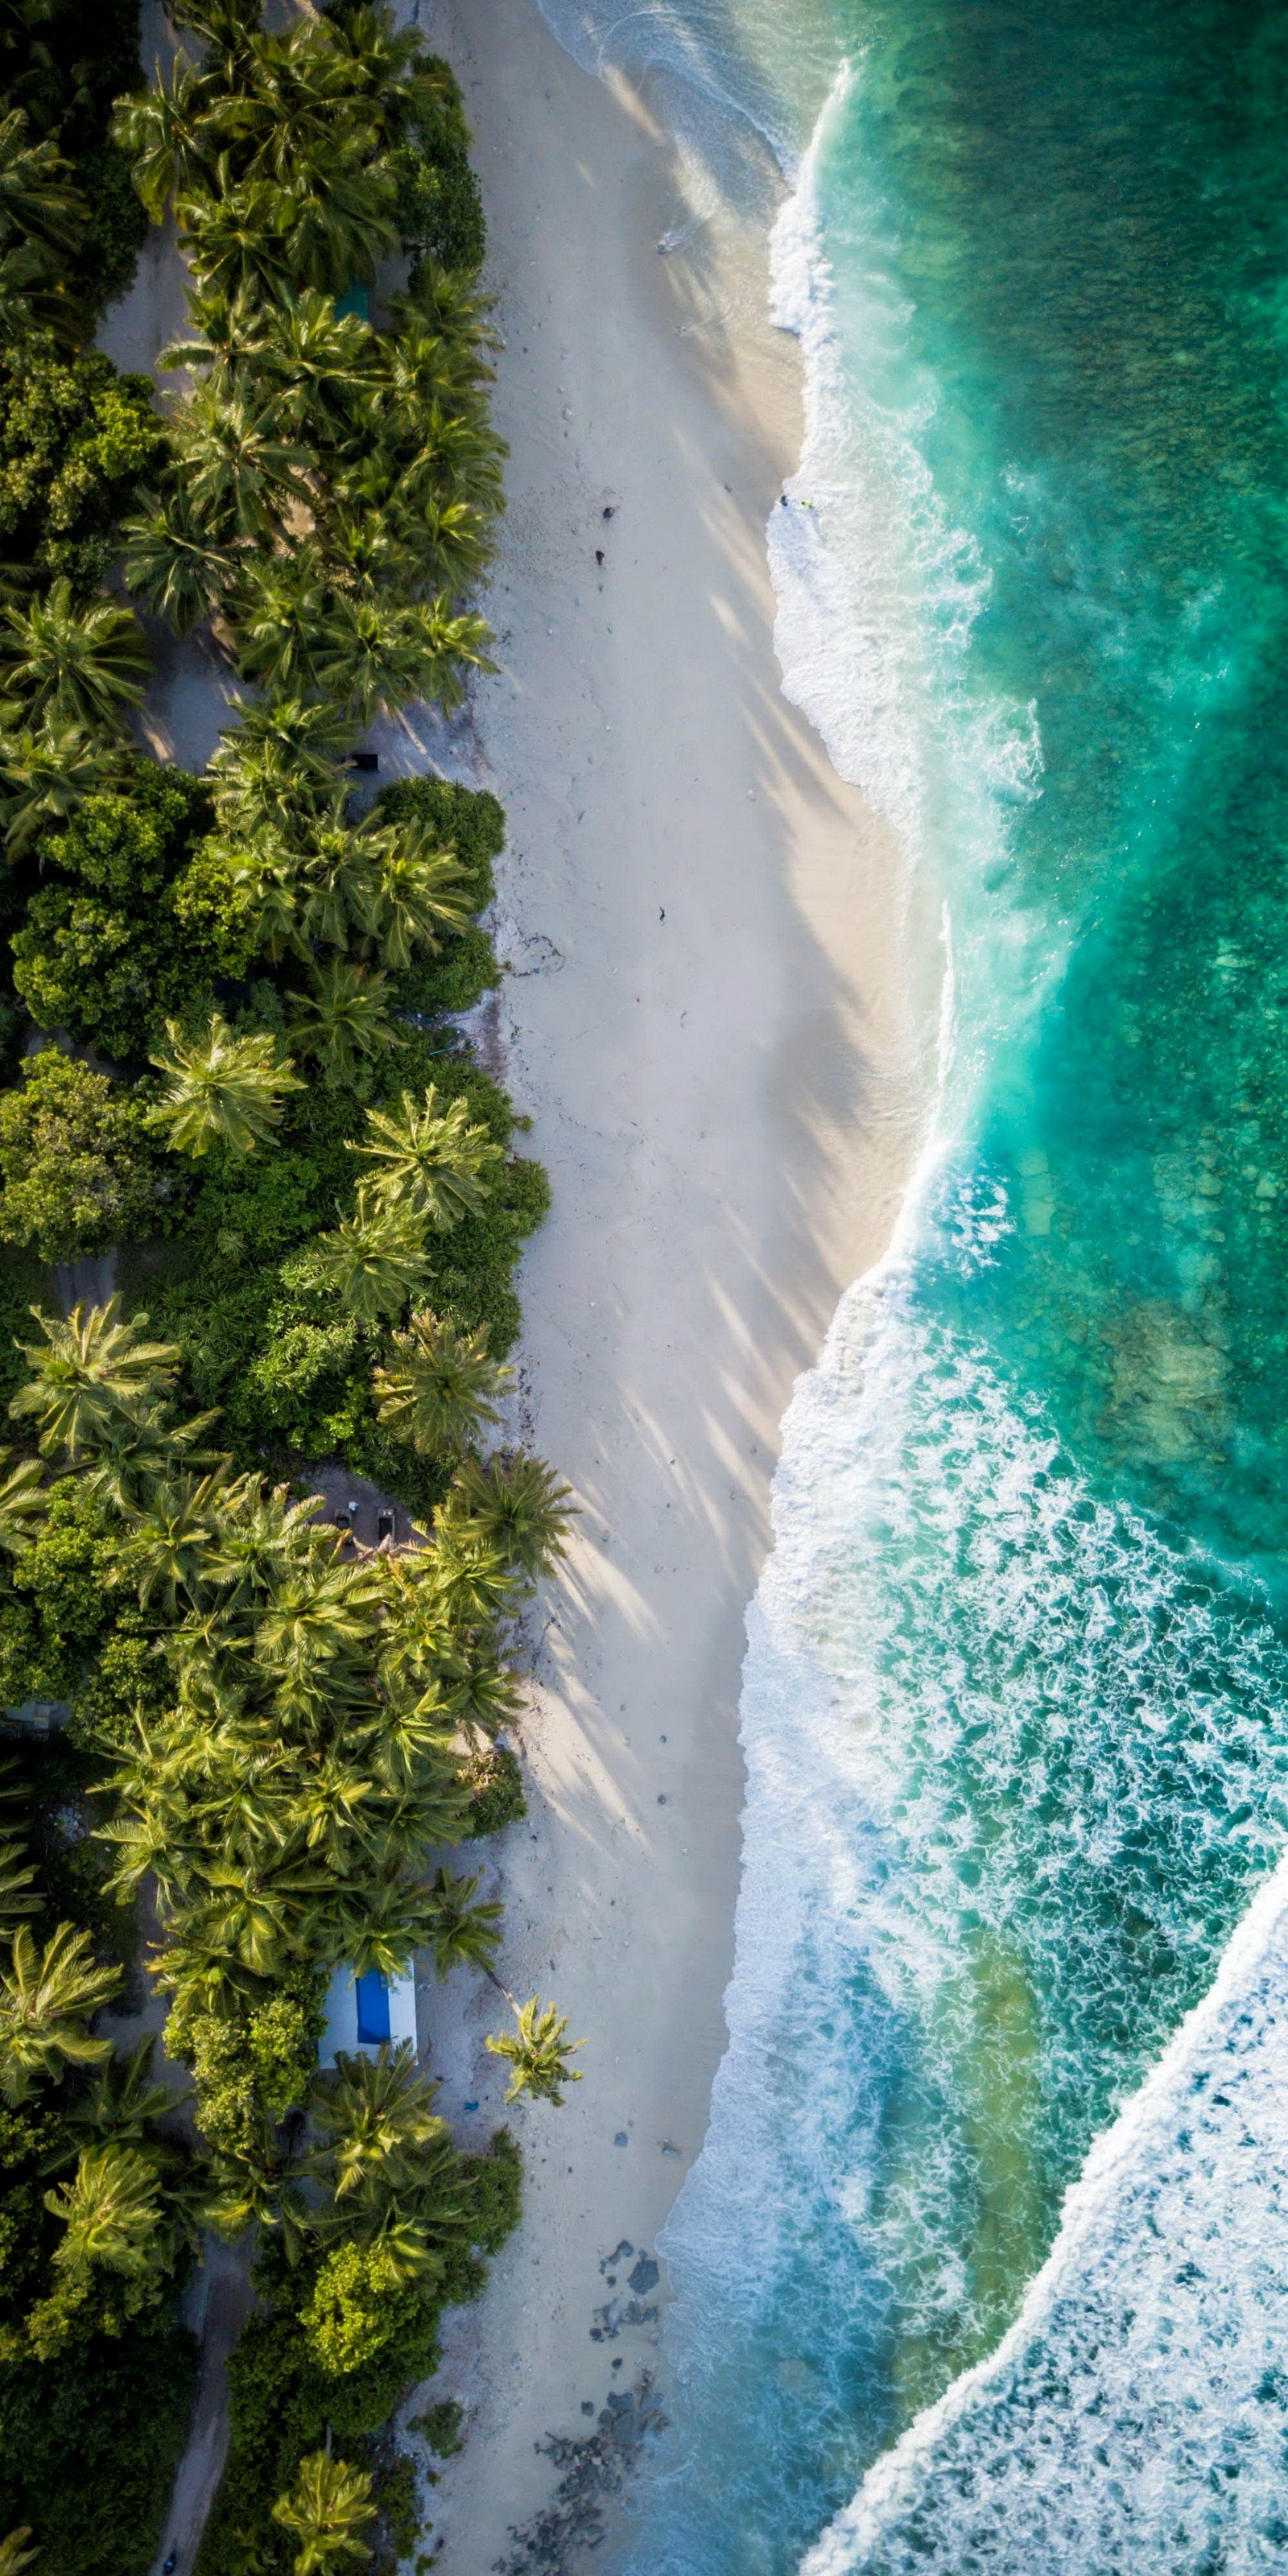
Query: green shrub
[[440, 208], [469, 821], [440, 2427], [105, 951], [283, 2399], [22, 1286], [117, 2408], [458, 979], [78, 442], [259, 2066], [78, 1166], [496, 1793]]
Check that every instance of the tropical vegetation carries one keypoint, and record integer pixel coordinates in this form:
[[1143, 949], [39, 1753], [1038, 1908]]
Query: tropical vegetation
[[232, 1074]]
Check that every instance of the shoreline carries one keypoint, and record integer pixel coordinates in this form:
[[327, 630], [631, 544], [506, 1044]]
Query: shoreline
[[720, 1017]]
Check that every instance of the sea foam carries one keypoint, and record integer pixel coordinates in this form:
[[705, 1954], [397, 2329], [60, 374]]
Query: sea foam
[[1134, 2417]]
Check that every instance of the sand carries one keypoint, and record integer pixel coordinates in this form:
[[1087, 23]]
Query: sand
[[718, 1017]]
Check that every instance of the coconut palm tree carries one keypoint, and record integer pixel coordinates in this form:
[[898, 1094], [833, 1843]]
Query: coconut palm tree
[[337, 217], [19, 1894], [343, 1020], [374, 653], [465, 1934], [430, 1158], [224, 332], [112, 2213], [233, 236], [239, 476], [380, 1919], [120, 2107], [173, 133], [281, 614], [410, 895], [37, 201], [311, 364], [322, 1612], [174, 564], [376, 2123], [262, 1541], [134, 1453], [46, 2001], [440, 1388], [538, 2051], [47, 771], [515, 1504], [374, 1259], [368, 552], [24, 1502], [221, 1089], [278, 766], [92, 1373], [81, 665], [168, 1546], [327, 2510], [333, 881]]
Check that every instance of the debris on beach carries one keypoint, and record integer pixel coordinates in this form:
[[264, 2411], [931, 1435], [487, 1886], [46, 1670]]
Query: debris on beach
[[594, 2466]]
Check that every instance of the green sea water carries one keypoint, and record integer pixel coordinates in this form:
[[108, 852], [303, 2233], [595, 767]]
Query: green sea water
[[1016, 1698]]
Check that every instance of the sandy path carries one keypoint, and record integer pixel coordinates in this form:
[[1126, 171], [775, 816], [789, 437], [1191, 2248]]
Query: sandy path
[[707, 1022]]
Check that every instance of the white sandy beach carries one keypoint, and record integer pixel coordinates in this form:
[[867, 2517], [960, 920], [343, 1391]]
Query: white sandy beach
[[709, 1022]]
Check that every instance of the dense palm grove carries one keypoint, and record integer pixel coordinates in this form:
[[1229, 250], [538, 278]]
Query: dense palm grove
[[231, 1065]]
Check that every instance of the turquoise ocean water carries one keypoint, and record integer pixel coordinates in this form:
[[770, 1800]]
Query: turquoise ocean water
[[985, 2263]]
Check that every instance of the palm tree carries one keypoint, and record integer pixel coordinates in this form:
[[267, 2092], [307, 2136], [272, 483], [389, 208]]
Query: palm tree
[[373, 1259], [112, 2212], [172, 132], [336, 217], [19, 1894], [281, 614], [516, 1504], [430, 1159], [277, 768], [239, 477], [120, 2106], [93, 1373], [376, 2122], [327, 2510], [136, 1452], [375, 653], [24, 1502], [367, 551], [14, 2553], [538, 2053], [380, 1921], [233, 236], [37, 204], [80, 665], [221, 1089], [169, 1544], [334, 880], [412, 894], [45, 2003], [343, 1020], [440, 1388], [48, 770], [322, 1612], [465, 1934], [311, 362], [174, 564]]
